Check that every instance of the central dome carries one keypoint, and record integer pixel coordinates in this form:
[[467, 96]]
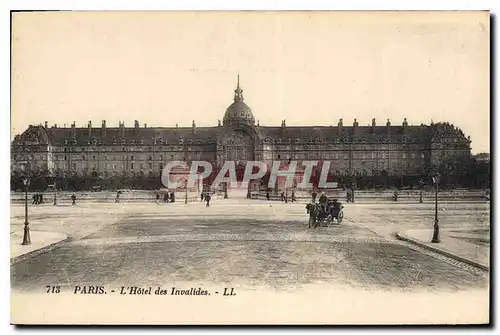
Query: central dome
[[238, 111]]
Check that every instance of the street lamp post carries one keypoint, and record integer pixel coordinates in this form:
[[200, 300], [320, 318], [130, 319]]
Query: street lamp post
[[421, 200], [435, 236], [26, 236], [186, 195]]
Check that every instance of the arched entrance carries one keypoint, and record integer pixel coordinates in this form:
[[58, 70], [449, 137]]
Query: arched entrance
[[238, 147]]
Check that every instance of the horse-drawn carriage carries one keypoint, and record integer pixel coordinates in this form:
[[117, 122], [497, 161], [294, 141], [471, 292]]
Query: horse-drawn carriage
[[325, 214]]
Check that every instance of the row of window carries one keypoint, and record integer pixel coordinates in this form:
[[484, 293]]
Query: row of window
[[106, 166], [83, 158], [372, 155], [111, 149], [122, 141]]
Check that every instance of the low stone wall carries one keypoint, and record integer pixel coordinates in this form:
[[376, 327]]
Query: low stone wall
[[359, 196]]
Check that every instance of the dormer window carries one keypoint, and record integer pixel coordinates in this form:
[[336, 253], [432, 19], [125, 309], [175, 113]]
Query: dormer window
[[123, 141], [94, 141], [65, 141], [141, 142], [160, 141], [114, 141], [74, 141], [132, 142], [181, 141]]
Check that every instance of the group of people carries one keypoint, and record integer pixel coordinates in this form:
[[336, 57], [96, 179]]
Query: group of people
[[38, 199], [205, 196], [284, 197], [167, 197]]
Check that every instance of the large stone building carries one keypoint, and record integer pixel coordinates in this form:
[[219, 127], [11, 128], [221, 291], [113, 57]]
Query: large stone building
[[351, 148]]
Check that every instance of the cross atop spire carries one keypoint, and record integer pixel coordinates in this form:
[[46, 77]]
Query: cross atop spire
[[238, 93]]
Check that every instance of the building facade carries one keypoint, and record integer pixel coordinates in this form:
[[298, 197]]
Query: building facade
[[142, 150]]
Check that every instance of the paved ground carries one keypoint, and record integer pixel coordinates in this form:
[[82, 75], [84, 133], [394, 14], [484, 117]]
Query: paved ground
[[471, 245], [39, 240], [241, 243]]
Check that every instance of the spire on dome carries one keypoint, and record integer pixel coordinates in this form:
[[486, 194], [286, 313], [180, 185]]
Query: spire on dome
[[238, 93]]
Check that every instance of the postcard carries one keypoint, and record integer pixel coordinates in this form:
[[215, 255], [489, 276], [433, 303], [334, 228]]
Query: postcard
[[250, 168]]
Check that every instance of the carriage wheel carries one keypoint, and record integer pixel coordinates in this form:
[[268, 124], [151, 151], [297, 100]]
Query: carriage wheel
[[340, 216]]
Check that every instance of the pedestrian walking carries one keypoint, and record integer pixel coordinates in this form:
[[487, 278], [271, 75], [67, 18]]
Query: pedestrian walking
[[314, 195], [34, 199], [293, 196], [117, 199], [157, 198], [165, 197], [267, 195], [207, 199], [202, 195], [41, 198], [73, 199], [172, 197]]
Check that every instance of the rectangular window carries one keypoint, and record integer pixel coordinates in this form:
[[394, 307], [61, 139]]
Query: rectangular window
[[132, 166], [150, 165], [74, 166], [132, 158], [93, 158], [141, 166], [160, 166], [105, 158], [65, 158], [83, 158]]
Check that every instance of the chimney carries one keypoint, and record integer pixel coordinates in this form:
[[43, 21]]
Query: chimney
[[103, 128], [55, 126], [121, 125], [355, 125], [145, 125], [340, 125], [405, 124], [46, 124], [136, 127], [388, 124], [373, 126], [90, 128], [193, 127], [218, 124], [73, 130]]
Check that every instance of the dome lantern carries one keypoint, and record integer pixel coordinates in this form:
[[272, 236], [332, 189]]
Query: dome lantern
[[238, 112]]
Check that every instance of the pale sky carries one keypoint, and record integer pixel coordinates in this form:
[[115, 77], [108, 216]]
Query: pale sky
[[310, 68]]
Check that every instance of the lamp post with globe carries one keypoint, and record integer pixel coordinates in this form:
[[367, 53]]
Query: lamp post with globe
[[26, 235], [435, 236]]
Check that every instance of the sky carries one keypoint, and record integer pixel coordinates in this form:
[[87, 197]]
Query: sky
[[309, 68]]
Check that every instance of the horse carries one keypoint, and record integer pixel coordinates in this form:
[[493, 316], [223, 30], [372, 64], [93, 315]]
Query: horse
[[312, 210]]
